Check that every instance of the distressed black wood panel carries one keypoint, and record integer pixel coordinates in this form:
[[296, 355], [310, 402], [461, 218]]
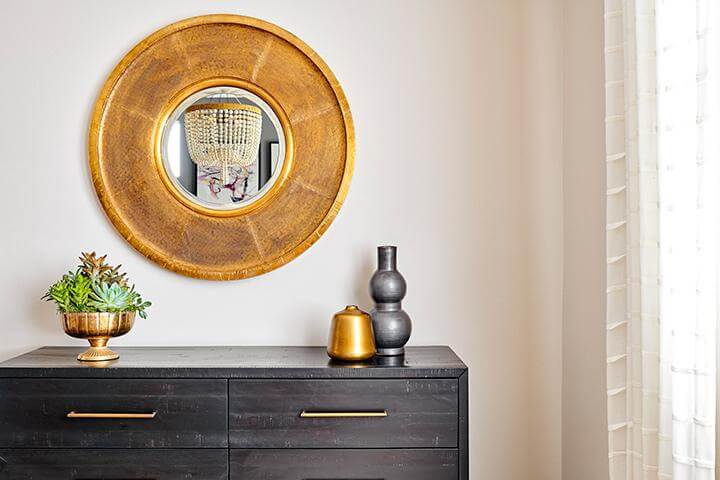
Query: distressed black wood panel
[[232, 362], [190, 413], [463, 421], [344, 464], [113, 464], [421, 413]]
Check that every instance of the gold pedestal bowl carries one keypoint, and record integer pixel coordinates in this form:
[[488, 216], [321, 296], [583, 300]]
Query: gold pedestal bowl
[[97, 328]]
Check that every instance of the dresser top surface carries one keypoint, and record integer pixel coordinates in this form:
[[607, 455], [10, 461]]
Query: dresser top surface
[[231, 362]]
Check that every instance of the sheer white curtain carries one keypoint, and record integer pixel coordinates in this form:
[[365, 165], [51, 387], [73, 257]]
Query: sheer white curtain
[[662, 133]]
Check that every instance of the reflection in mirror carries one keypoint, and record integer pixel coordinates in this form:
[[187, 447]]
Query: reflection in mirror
[[223, 148]]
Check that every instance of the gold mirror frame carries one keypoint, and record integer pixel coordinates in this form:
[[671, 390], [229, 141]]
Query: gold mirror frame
[[148, 85]]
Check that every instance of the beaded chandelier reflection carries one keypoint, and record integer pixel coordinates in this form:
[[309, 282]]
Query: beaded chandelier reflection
[[223, 135]]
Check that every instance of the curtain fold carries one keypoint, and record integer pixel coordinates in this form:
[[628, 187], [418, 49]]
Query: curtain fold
[[662, 236], [633, 364]]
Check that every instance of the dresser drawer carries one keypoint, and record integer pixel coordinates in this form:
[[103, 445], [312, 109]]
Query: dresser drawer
[[344, 464], [344, 413], [112, 464], [50, 413]]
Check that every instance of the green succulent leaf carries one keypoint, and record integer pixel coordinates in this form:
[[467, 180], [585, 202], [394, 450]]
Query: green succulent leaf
[[80, 290], [110, 298]]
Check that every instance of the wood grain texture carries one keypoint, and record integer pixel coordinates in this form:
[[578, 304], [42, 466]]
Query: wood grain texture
[[463, 422], [129, 116], [420, 413], [190, 413], [232, 362], [111, 464], [344, 464]]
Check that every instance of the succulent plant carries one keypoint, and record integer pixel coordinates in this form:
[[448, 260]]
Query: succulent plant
[[71, 293], [96, 287], [116, 298], [96, 269]]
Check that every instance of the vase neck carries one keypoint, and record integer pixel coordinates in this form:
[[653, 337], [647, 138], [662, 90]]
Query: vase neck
[[388, 306], [387, 258]]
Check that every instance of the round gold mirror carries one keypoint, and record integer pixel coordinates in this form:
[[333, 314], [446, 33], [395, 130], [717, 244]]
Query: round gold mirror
[[221, 147]]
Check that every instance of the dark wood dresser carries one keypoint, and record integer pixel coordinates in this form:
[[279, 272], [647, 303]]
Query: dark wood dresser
[[239, 413]]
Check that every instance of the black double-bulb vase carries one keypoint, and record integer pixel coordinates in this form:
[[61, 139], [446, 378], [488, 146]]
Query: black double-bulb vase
[[391, 324]]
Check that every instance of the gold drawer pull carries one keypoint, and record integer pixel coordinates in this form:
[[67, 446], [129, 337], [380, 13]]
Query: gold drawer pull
[[369, 414], [112, 415]]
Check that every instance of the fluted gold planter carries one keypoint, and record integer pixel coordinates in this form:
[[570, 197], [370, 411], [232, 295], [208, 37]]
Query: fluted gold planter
[[97, 328]]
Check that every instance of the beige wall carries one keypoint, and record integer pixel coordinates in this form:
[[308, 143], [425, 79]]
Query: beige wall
[[479, 153], [541, 133], [584, 430]]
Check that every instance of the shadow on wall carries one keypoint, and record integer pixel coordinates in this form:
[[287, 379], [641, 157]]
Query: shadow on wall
[[364, 269], [40, 318], [317, 323], [42, 315]]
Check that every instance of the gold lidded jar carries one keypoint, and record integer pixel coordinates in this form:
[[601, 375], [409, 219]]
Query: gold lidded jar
[[351, 336]]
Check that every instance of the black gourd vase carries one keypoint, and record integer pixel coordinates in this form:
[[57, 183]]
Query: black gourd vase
[[392, 326]]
